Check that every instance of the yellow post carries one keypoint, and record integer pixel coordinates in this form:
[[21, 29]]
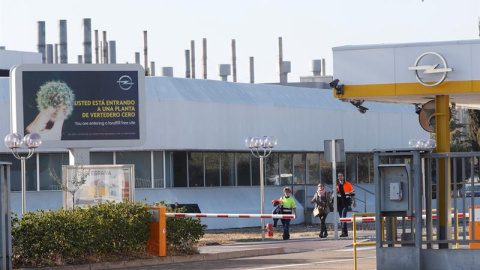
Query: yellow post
[[442, 123], [163, 231]]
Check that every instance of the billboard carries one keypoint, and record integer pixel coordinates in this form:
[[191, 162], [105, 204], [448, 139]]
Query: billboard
[[76, 106], [102, 183]]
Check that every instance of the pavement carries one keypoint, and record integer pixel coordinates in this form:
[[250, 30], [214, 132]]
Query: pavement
[[237, 250]]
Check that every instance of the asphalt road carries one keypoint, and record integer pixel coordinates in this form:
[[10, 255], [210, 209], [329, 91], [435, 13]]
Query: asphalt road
[[341, 258]]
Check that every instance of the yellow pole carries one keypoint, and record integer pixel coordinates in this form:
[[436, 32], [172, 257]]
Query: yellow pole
[[442, 123], [163, 232]]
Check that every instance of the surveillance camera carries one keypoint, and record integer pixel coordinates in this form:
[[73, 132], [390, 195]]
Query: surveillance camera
[[362, 109], [334, 83]]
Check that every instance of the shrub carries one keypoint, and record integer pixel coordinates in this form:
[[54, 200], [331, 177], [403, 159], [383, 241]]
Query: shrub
[[63, 237], [182, 233]]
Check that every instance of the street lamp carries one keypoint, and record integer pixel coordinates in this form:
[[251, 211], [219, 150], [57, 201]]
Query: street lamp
[[14, 141], [261, 147]]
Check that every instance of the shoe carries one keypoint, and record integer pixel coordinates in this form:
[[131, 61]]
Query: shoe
[[343, 235], [321, 235], [286, 237], [325, 235]]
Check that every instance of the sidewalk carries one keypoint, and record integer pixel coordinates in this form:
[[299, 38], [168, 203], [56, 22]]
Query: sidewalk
[[230, 251]]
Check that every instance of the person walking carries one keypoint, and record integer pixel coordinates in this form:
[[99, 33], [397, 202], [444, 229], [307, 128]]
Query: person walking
[[323, 205], [288, 207], [345, 195]]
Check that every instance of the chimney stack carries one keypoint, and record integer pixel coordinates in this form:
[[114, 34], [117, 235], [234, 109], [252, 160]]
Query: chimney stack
[[49, 54], [41, 40], [234, 61], [204, 58], [145, 51], [317, 67], [113, 51], [62, 25], [323, 67], [152, 68], [280, 59], [137, 58], [192, 50], [187, 64], [55, 53], [252, 70], [105, 48], [87, 41], [97, 56]]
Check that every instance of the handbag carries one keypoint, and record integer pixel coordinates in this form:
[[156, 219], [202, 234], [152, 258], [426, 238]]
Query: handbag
[[316, 212]]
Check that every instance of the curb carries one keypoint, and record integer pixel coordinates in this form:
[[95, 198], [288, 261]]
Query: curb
[[169, 260]]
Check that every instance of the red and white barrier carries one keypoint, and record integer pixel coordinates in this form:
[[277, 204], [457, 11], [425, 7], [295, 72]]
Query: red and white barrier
[[194, 215], [372, 219]]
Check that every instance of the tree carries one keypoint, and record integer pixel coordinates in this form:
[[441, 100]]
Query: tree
[[473, 128], [71, 185]]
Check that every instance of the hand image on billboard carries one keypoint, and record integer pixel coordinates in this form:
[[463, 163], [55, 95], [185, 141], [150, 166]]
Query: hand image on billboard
[[49, 123]]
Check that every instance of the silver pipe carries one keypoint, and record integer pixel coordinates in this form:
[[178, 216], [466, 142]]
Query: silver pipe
[[234, 61], [87, 41], [63, 42], [192, 50], [204, 58], [104, 48], [113, 51], [187, 64], [252, 70], [41, 40]]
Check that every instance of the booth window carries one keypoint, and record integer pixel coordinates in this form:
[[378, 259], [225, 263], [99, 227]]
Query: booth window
[[52, 161], [212, 169], [195, 169], [314, 169], [228, 169], [243, 169], [142, 162], [158, 176], [16, 172]]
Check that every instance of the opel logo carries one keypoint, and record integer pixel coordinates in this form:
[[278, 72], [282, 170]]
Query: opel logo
[[430, 69], [125, 82]]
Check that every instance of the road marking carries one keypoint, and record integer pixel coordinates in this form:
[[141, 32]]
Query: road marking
[[313, 263]]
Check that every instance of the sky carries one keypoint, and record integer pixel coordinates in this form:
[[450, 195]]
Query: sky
[[309, 29]]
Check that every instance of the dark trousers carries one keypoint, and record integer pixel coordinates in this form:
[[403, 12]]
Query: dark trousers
[[342, 212], [286, 226], [323, 227]]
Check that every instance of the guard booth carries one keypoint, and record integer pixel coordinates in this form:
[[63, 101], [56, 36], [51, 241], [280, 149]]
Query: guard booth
[[5, 219], [407, 228]]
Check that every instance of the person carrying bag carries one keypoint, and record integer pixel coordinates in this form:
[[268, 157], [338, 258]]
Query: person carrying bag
[[323, 201]]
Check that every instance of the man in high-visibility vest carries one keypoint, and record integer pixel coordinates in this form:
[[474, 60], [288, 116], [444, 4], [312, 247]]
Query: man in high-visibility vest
[[345, 195], [288, 206]]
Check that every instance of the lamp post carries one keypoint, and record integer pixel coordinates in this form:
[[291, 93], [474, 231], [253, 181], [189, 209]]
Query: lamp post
[[14, 141], [261, 147]]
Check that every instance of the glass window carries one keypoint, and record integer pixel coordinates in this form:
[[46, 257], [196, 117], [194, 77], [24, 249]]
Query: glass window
[[313, 165], [351, 168], [141, 160], [179, 169], [286, 173], [243, 169], [228, 169], [255, 171], [212, 169], [158, 171], [326, 170], [365, 168], [195, 169], [16, 172], [272, 171], [52, 161], [299, 174], [98, 158]]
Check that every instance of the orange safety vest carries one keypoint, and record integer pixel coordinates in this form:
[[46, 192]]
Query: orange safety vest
[[347, 188]]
